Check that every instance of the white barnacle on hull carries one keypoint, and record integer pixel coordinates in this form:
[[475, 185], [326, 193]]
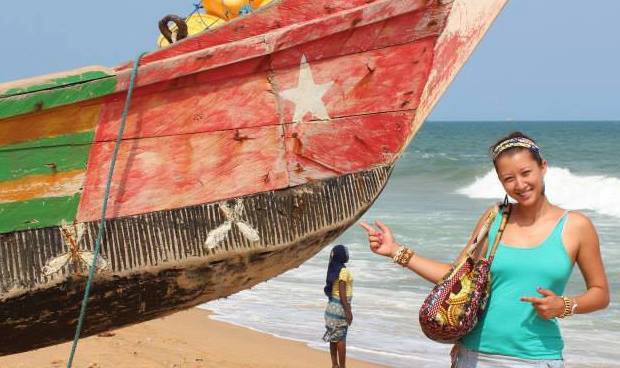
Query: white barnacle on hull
[[233, 216], [56, 264], [248, 231], [88, 258], [72, 235], [218, 235]]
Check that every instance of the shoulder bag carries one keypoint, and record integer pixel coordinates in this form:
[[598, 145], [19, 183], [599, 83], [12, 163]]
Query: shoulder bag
[[455, 304]]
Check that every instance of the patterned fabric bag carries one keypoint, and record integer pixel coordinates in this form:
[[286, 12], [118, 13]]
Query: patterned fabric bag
[[453, 307]]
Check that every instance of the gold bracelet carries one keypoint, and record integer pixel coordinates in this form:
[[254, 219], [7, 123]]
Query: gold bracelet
[[402, 252], [568, 307], [398, 253], [403, 256], [409, 253]]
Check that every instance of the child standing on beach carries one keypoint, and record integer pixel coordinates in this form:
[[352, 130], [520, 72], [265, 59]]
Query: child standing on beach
[[338, 316]]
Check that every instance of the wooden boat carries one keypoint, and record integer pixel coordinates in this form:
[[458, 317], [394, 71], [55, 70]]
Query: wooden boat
[[248, 148]]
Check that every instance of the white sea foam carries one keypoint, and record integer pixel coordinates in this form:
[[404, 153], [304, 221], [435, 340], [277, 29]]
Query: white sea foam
[[597, 193]]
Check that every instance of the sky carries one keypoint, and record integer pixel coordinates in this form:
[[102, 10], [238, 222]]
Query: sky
[[541, 59]]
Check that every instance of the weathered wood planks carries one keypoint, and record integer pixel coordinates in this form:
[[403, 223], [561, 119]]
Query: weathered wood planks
[[319, 150], [194, 104], [181, 170], [54, 80], [279, 14], [42, 165], [50, 98], [363, 58], [247, 150], [369, 81], [277, 40]]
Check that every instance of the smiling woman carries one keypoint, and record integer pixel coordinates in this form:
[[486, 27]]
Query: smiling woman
[[541, 242]]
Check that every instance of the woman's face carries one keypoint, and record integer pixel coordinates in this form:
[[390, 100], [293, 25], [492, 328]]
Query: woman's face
[[521, 176]]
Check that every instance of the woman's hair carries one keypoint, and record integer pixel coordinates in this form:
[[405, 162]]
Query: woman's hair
[[337, 258], [535, 153]]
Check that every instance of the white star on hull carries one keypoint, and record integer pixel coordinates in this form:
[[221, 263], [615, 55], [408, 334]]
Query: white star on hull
[[307, 96]]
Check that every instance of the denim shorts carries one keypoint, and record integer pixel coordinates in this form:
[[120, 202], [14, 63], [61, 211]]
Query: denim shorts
[[473, 359]]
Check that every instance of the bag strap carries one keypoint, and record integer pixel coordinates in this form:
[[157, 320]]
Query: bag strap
[[482, 233], [484, 229], [500, 232]]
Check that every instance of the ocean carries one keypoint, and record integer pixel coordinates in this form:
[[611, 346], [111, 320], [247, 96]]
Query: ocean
[[440, 186]]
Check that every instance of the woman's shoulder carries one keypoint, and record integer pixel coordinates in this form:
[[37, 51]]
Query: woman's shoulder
[[579, 221], [579, 229]]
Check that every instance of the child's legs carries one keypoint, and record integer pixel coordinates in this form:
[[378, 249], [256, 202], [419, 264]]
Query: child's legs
[[342, 352], [334, 353]]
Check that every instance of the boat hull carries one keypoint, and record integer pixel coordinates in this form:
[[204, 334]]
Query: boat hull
[[247, 150], [159, 263]]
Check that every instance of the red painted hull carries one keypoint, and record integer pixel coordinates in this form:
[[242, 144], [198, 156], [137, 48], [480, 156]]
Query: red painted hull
[[195, 99], [247, 150]]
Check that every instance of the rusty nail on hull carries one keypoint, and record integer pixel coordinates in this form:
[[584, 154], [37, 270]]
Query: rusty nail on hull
[[53, 166], [240, 138]]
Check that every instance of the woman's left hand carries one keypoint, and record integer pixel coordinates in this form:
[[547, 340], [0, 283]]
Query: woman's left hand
[[547, 307]]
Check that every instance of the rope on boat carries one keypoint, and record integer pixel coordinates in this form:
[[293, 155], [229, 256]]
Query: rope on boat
[[106, 196], [197, 6]]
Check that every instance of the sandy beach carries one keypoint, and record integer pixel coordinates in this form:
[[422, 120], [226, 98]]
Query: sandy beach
[[188, 339]]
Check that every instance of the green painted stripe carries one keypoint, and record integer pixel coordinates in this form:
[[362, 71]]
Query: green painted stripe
[[37, 213], [43, 100], [18, 163], [61, 140], [57, 82]]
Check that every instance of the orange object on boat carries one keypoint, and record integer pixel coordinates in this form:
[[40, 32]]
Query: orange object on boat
[[229, 9]]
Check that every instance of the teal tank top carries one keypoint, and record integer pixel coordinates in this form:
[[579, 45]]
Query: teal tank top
[[512, 327]]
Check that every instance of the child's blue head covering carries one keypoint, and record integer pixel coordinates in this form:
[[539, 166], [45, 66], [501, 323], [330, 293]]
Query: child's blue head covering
[[338, 257]]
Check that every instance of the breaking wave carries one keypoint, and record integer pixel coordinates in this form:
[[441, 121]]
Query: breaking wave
[[597, 193]]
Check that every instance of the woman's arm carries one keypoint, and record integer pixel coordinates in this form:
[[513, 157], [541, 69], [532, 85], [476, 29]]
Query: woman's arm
[[382, 242], [590, 263], [342, 288]]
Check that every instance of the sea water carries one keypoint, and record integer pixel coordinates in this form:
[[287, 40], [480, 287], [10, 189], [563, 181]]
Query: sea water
[[439, 188]]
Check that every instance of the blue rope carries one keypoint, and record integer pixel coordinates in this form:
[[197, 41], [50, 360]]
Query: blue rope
[[246, 9], [197, 6], [93, 266]]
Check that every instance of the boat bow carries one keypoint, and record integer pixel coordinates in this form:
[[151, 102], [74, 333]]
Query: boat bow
[[248, 148]]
